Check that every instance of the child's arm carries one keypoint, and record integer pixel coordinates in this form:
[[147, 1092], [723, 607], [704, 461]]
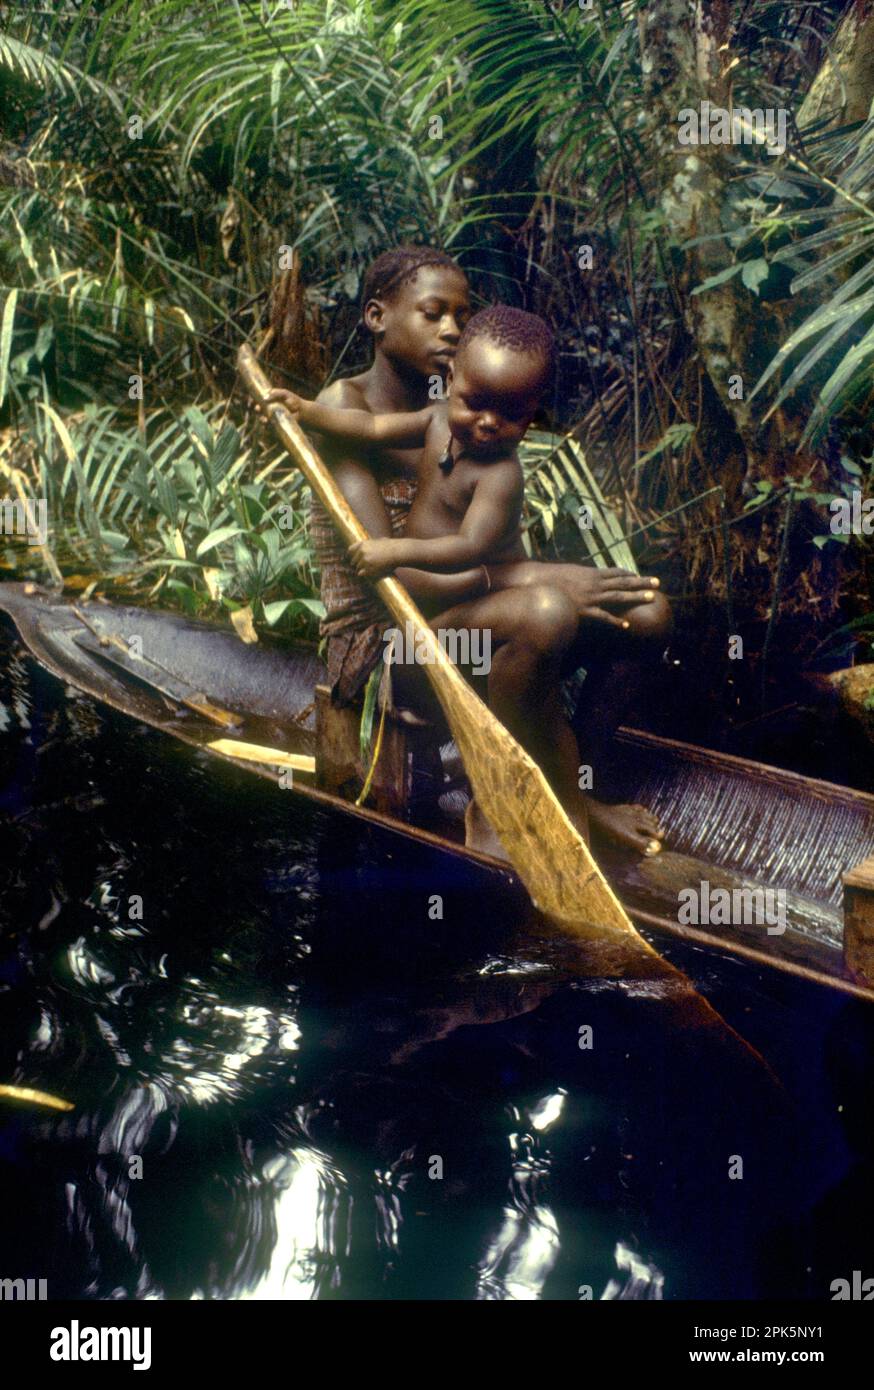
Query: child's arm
[[404, 429], [496, 502]]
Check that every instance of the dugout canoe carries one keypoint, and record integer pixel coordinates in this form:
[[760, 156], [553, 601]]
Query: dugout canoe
[[737, 830]]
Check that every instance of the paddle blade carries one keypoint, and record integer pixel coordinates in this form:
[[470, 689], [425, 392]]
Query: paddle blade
[[259, 753], [546, 850]]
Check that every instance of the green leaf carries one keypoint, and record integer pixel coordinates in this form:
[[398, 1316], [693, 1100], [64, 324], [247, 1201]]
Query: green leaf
[[227, 447], [313, 605], [168, 498], [845, 369], [189, 597], [224, 533], [371, 691], [200, 427], [675, 437], [260, 544], [186, 476], [719, 279], [274, 611], [6, 339], [753, 273], [44, 338], [114, 539]]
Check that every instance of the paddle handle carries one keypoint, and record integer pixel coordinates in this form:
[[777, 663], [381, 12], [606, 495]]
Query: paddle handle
[[393, 595]]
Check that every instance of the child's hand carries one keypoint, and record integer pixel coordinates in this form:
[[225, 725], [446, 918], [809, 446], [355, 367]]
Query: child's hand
[[279, 396], [373, 559]]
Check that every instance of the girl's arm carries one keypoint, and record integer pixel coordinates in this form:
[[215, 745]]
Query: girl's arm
[[403, 429]]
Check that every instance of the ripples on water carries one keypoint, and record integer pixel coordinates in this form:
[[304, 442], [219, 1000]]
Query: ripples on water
[[290, 1083]]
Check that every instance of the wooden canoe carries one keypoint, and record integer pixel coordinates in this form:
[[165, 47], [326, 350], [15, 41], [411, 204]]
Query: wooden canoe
[[732, 824]]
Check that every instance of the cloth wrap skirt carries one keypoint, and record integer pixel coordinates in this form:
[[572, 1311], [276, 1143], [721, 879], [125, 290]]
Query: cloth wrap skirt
[[355, 621]]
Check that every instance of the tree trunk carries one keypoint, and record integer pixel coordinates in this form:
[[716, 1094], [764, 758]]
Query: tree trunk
[[686, 60], [844, 85]]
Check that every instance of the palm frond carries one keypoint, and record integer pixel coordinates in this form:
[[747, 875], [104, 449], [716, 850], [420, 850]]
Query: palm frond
[[555, 471], [52, 73], [846, 240]]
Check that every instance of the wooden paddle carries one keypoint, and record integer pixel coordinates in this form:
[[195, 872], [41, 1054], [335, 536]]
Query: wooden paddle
[[550, 857]]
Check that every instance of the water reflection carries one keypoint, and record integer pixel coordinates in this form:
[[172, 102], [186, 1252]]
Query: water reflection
[[291, 1083], [525, 1249]]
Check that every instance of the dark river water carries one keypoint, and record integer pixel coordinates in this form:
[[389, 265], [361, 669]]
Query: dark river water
[[290, 1082]]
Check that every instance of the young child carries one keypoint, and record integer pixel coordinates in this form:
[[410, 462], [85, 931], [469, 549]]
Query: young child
[[468, 505]]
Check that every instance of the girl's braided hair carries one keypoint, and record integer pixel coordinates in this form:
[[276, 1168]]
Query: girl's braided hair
[[393, 269]]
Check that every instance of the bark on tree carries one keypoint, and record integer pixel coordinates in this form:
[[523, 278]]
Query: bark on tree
[[844, 86], [855, 689]]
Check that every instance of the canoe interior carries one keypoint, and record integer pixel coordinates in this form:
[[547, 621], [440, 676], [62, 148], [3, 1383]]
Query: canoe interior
[[730, 822], [739, 824]]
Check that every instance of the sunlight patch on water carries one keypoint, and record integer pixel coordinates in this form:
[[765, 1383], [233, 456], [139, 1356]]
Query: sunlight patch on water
[[309, 1228], [547, 1111], [642, 1280]]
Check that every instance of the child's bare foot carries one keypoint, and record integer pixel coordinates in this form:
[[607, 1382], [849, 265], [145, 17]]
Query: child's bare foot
[[478, 833], [633, 826]]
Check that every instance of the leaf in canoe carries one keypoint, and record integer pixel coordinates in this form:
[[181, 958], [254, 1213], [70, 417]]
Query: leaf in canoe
[[261, 542], [189, 598], [371, 691], [224, 533], [247, 564], [290, 557]]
